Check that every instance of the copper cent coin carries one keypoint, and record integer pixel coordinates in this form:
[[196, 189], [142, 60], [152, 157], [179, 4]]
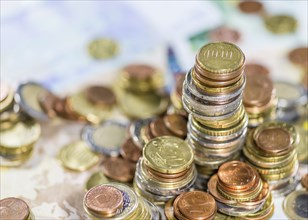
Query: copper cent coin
[[250, 7], [274, 140], [130, 151], [119, 169], [304, 181], [158, 128], [100, 95], [225, 34], [196, 205], [177, 124], [254, 68], [236, 174], [299, 56], [48, 101], [105, 200], [179, 80], [13, 208], [139, 71]]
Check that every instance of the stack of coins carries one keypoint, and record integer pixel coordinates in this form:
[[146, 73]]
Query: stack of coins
[[176, 95], [6, 97], [191, 206], [239, 191], [259, 99], [271, 149], [15, 208], [165, 170], [212, 94], [115, 201], [291, 98], [139, 91]]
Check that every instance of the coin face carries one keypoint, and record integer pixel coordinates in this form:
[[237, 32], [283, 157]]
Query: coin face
[[280, 24], [225, 34], [304, 181], [103, 48], [100, 95], [13, 208], [250, 7], [130, 151], [168, 154], [139, 71], [220, 57], [196, 205], [236, 174], [119, 169], [158, 128], [177, 124], [104, 199], [254, 68], [274, 139], [295, 205], [299, 56]]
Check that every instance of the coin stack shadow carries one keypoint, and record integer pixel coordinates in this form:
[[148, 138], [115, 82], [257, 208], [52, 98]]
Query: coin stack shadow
[[271, 149], [165, 170], [239, 191], [212, 95], [259, 99]]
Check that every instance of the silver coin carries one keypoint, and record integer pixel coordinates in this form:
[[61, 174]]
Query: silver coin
[[237, 211], [135, 131]]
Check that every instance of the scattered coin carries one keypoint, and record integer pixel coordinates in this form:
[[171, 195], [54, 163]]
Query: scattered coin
[[304, 181], [177, 124], [103, 48], [48, 101], [299, 56], [100, 95], [295, 205], [14, 208], [225, 34], [96, 179], [130, 151], [280, 24], [254, 68], [119, 169], [250, 7], [158, 128]]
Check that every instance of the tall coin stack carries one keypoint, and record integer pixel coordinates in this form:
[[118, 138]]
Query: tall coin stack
[[212, 95], [271, 149]]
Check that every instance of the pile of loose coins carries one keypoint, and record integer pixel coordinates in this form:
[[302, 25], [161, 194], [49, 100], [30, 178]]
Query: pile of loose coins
[[140, 91], [271, 149], [116, 202], [259, 98], [239, 191], [212, 94], [165, 170]]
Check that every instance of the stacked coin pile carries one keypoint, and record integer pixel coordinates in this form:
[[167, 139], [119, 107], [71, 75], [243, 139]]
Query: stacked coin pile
[[271, 149], [15, 208], [259, 99], [191, 206], [176, 94], [239, 191], [117, 201], [139, 91], [165, 170], [291, 98], [212, 94]]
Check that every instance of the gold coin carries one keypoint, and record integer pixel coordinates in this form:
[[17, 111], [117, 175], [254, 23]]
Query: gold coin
[[302, 151], [295, 205], [85, 109], [7, 100], [142, 105], [96, 179], [168, 154], [77, 156], [103, 48], [280, 24], [220, 57]]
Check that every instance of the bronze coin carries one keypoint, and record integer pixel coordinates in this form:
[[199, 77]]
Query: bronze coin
[[254, 68], [103, 199], [140, 72], [119, 169], [258, 90], [304, 181], [179, 80], [236, 174], [177, 124], [158, 128], [48, 101], [14, 208], [299, 56], [250, 7], [196, 205], [225, 34], [274, 140], [130, 151], [100, 95]]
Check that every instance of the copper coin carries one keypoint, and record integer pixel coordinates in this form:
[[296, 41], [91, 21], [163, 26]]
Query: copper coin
[[146, 130], [250, 7], [130, 151], [4, 91], [47, 102], [258, 90], [304, 181], [179, 80], [158, 128], [100, 95], [13, 208], [299, 56], [254, 68], [196, 205], [139, 71], [119, 169], [103, 199], [63, 110], [274, 140], [168, 210], [236, 174], [225, 34], [177, 124]]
